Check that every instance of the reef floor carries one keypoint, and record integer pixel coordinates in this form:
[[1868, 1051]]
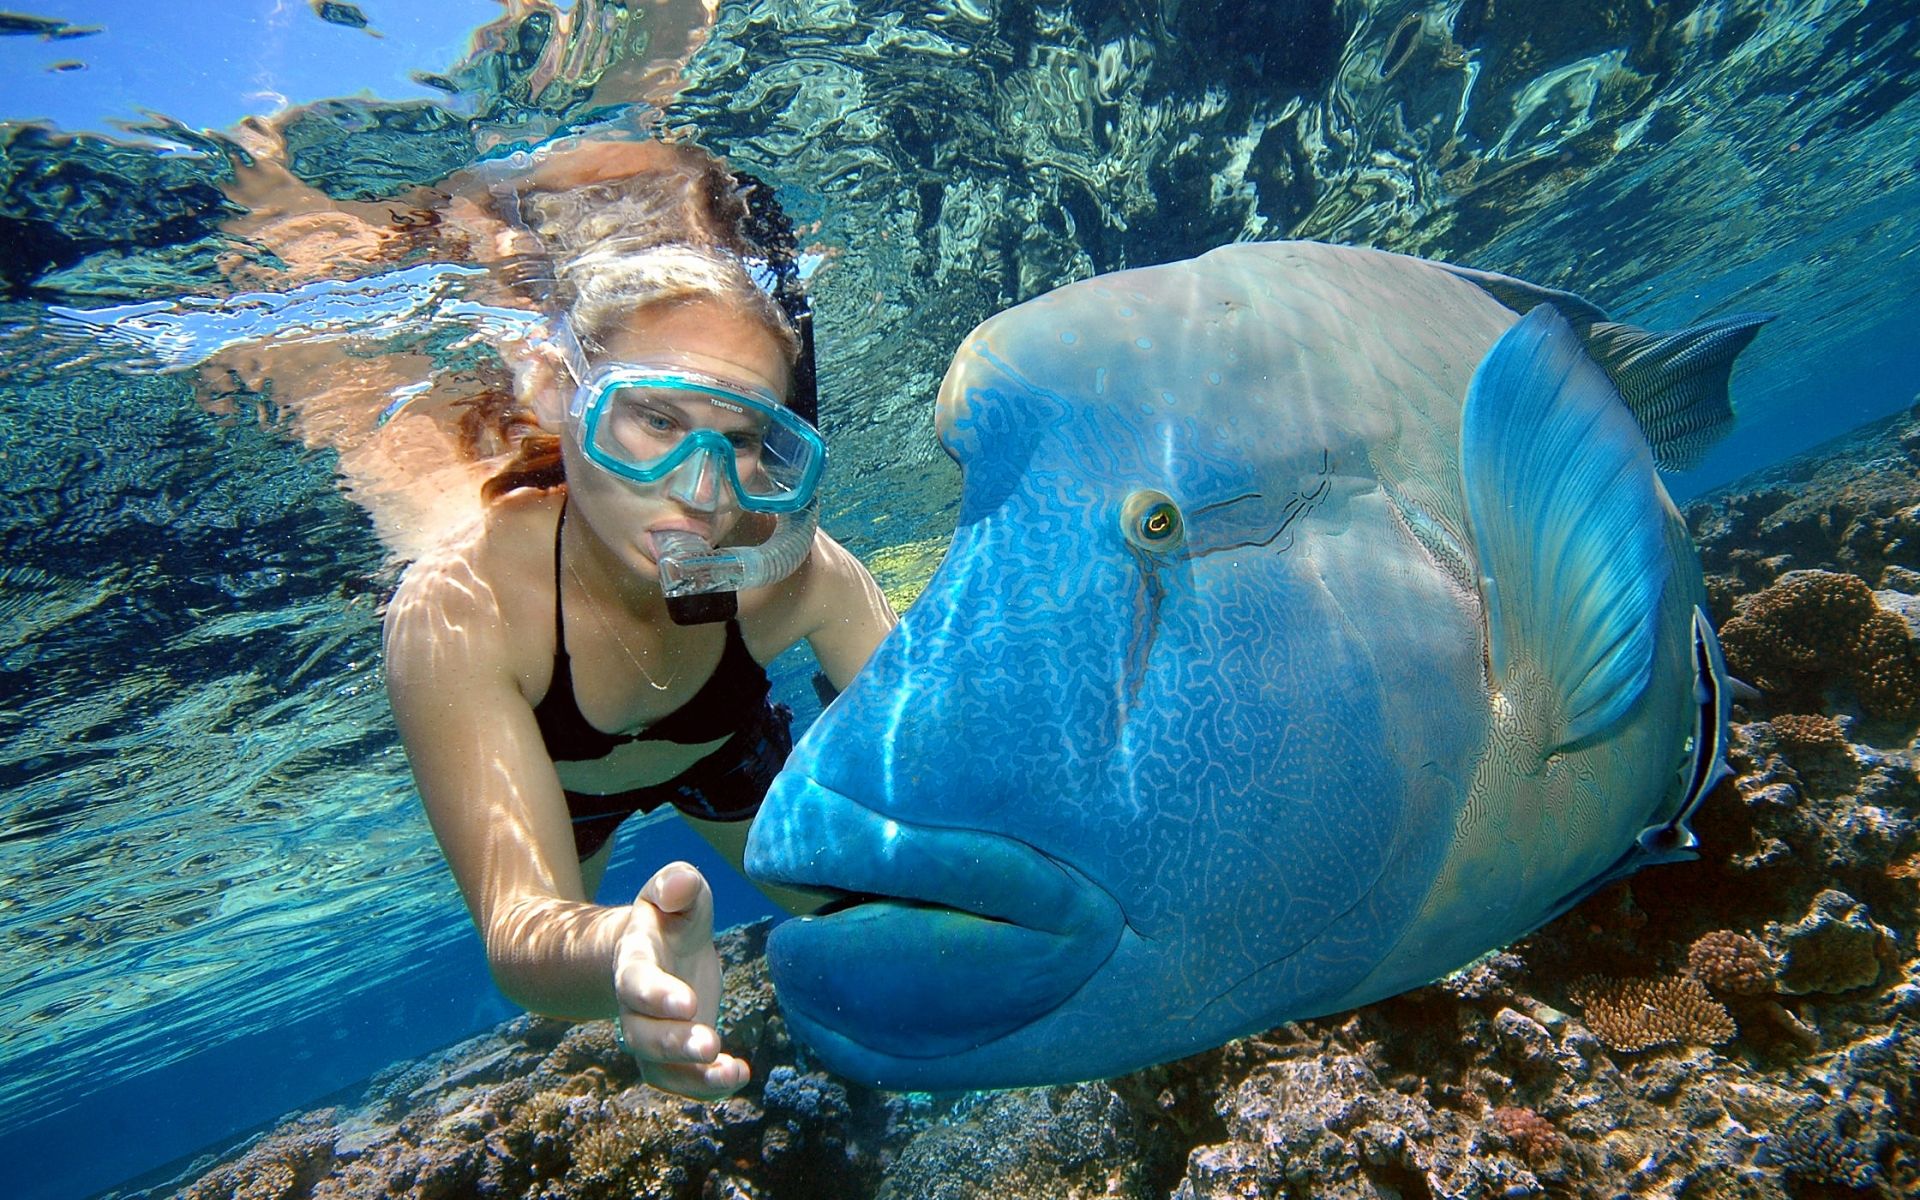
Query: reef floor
[[1740, 1026]]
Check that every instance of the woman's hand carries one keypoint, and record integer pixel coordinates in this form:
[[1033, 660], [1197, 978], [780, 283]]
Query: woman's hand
[[666, 977]]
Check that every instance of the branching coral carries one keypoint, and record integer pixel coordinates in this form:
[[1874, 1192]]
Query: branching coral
[[1732, 962], [284, 1166], [1815, 626], [1884, 673], [1636, 1014], [590, 1044], [625, 1155]]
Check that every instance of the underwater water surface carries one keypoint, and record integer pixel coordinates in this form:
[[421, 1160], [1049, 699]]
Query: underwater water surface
[[221, 899]]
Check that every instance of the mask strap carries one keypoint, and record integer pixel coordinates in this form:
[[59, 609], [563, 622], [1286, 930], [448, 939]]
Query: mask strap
[[574, 358]]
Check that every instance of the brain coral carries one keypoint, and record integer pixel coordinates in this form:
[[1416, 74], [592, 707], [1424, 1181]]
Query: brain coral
[[1531, 1135], [1635, 1014], [1732, 962], [1815, 732], [1814, 626]]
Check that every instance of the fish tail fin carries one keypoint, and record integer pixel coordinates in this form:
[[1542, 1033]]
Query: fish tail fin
[[1675, 383], [1569, 521]]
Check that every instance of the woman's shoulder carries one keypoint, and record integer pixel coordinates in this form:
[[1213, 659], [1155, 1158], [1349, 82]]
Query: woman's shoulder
[[489, 578]]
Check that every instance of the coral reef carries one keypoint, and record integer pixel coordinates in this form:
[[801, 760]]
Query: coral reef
[[1641, 1046], [1814, 731], [1532, 1136], [1836, 947], [1830, 1143], [1635, 1014], [902, 571], [1812, 629]]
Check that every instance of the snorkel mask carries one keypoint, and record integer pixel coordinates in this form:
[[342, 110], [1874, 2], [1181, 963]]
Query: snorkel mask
[[648, 422], [669, 425]]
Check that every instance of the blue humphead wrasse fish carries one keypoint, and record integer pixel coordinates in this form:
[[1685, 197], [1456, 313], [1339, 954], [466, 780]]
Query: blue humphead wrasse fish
[[1315, 622]]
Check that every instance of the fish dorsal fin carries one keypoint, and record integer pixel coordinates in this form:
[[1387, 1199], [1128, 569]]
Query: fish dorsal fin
[[1523, 297], [1676, 383], [1568, 522]]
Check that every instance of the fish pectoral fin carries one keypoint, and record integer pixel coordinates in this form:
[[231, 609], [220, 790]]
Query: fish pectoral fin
[[1676, 383], [1568, 522], [1673, 840]]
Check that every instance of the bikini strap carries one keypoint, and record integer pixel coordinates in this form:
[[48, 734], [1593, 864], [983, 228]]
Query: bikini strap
[[559, 605]]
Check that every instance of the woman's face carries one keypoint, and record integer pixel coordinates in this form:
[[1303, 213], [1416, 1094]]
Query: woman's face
[[714, 339]]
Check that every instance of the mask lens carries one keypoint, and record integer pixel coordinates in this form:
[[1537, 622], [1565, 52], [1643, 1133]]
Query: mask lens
[[641, 425]]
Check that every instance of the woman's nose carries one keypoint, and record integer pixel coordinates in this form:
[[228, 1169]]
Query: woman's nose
[[696, 482]]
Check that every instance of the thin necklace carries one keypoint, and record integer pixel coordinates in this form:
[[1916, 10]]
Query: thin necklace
[[593, 602]]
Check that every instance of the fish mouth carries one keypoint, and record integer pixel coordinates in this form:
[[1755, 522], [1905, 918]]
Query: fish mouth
[[935, 941]]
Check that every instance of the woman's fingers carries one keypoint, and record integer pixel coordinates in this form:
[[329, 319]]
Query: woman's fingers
[[679, 890], [661, 1041], [708, 1081], [666, 980], [645, 988]]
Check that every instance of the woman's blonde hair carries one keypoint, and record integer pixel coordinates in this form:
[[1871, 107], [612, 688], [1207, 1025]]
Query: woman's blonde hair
[[606, 250]]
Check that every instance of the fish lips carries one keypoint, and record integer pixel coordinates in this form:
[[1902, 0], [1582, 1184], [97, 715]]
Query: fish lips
[[942, 940]]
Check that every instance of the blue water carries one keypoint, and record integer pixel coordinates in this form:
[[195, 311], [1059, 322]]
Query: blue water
[[136, 1125], [218, 897]]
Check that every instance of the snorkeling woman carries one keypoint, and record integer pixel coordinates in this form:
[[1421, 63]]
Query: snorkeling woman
[[543, 687]]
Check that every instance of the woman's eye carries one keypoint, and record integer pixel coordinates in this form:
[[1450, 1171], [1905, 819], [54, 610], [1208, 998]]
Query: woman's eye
[[648, 418], [1151, 521]]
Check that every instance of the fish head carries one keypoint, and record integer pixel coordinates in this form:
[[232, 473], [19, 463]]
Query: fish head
[[1103, 795]]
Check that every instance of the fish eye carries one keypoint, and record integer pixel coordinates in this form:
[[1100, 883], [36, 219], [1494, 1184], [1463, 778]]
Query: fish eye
[[1151, 521]]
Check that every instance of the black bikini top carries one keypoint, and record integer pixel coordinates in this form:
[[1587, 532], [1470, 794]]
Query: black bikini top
[[727, 703]]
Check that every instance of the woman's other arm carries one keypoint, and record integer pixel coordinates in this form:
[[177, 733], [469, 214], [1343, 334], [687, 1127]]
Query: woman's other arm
[[842, 611]]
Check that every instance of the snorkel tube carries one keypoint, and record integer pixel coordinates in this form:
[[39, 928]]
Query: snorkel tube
[[702, 583]]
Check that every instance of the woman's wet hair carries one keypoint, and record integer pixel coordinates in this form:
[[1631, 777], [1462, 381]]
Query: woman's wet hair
[[688, 231]]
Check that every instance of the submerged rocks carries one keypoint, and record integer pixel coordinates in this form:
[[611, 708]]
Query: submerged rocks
[[1747, 1025], [1836, 947]]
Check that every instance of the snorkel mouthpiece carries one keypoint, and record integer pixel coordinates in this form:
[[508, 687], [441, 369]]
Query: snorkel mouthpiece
[[702, 583]]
